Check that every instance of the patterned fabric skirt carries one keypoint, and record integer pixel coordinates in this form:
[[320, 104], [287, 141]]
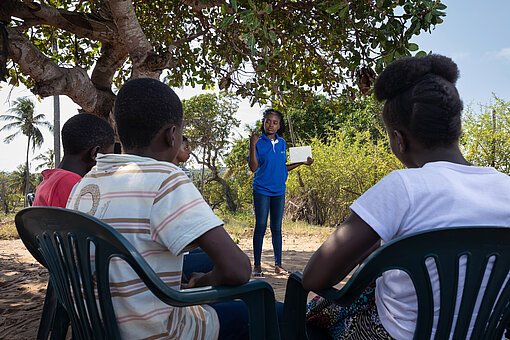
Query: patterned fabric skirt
[[360, 320]]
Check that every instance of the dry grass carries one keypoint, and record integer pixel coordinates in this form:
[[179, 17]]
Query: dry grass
[[7, 227], [242, 225], [238, 226]]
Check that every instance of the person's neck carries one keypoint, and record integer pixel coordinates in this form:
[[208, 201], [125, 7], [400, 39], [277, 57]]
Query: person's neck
[[271, 136], [74, 164], [150, 153], [450, 154]]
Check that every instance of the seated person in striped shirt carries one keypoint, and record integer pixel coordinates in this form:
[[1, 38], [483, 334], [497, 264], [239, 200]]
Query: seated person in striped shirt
[[157, 208]]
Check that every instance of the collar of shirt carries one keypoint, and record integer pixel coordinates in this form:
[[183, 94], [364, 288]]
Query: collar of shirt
[[273, 141]]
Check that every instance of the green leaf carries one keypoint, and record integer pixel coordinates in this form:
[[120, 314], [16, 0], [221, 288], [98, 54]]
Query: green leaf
[[333, 9], [428, 17], [227, 21], [233, 3], [272, 35], [343, 12], [412, 47], [421, 54], [251, 40]]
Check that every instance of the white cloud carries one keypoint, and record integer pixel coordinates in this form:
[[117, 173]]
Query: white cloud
[[458, 56], [504, 53]]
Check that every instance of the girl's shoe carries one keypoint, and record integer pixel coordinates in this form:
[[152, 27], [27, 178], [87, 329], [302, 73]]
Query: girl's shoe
[[257, 272], [279, 270]]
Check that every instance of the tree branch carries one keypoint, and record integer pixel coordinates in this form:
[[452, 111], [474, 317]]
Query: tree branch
[[82, 24], [133, 38], [161, 61], [111, 59], [53, 80], [198, 6]]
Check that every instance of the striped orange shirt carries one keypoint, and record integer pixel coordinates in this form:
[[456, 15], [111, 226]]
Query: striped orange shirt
[[157, 208]]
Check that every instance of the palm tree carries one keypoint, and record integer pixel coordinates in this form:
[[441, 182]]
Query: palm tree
[[48, 160], [24, 119], [18, 180]]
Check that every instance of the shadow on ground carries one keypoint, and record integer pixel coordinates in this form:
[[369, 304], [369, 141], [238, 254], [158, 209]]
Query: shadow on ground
[[23, 287]]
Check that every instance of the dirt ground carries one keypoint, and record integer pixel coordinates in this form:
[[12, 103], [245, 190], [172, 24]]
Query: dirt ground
[[23, 280]]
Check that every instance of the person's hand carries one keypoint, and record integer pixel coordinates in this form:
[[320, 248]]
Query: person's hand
[[309, 161], [254, 138], [193, 280]]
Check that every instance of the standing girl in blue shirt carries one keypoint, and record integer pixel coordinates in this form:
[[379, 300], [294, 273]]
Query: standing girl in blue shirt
[[268, 158]]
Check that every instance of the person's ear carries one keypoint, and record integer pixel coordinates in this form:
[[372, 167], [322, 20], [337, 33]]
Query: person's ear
[[400, 140], [170, 134], [93, 152]]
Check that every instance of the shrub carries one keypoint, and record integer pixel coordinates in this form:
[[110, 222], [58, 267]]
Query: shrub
[[344, 168], [486, 135]]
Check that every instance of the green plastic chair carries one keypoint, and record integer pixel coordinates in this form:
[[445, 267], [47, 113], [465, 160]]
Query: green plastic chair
[[60, 239], [445, 246]]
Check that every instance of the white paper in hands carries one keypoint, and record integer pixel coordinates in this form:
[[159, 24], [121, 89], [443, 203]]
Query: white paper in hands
[[299, 154]]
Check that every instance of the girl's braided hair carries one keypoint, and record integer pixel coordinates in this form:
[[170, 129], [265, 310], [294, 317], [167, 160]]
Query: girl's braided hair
[[421, 97]]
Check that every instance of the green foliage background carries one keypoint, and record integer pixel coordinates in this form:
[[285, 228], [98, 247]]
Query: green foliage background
[[486, 135], [344, 168]]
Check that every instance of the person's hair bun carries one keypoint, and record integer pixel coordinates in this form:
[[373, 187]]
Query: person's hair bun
[[403, 73]]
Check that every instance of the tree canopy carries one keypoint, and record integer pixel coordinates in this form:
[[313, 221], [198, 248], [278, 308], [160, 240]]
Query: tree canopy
[[257, 49]]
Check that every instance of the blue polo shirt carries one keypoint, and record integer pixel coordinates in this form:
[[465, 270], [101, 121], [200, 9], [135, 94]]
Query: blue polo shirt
[[271, 173]]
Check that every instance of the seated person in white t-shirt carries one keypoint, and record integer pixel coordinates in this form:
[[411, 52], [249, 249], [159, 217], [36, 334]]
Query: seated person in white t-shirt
[[157, 208], [440, 188]]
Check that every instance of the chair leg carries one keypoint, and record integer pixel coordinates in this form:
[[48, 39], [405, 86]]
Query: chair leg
[[54, 318], [60, 324], [507, 331], [293, 324], [48, 313], [262, 313]]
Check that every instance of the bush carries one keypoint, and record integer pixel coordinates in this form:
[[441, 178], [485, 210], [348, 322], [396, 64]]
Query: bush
[[239, 174], [486, 135], [344, 168]]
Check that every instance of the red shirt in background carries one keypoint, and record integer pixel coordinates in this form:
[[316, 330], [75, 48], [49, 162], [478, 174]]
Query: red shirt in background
[[55, 188]]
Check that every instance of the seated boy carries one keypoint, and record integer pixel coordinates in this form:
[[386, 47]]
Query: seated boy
[[83, 137], [157, 208]]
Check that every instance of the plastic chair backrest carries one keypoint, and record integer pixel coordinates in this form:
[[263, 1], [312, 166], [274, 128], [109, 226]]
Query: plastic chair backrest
[[445, 246], [60, 239]]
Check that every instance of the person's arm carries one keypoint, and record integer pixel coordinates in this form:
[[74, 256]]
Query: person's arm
[[231, 265], [252, 158], [292, 166], [349, 244]]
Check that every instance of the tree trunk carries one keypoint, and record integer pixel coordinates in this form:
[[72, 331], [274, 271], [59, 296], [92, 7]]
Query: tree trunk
[[202, 179], [3, 193], [56, 130], [27, 178], [229, 198]]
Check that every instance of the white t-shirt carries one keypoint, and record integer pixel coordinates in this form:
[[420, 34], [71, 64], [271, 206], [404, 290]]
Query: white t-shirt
[[157, 208], [440, 194]]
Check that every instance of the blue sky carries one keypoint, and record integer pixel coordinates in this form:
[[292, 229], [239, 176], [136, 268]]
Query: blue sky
[[474, 34]]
